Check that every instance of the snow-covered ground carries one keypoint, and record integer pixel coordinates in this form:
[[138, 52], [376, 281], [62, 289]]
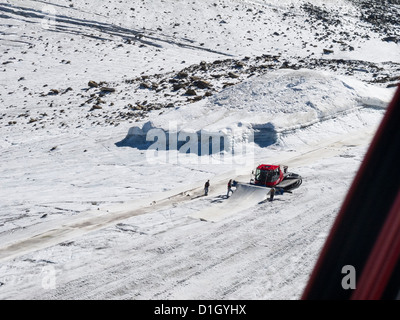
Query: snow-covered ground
[[89, 211]]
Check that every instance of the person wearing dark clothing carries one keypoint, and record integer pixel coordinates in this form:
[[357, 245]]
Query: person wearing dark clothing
[[271, 194], [206, 187], [229, 188]]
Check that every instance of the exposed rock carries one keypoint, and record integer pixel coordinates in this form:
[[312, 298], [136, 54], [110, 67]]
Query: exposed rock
[[228, 84], [53, 92], [144, 85], [202, 84], [107, 89], [197, 98], [391, 39], [182, 74], [93, 84], [177, 86], [96, 107], [328, 51], [240, 64], [233, 75], [190, 92], [67, 90], [139, 107]]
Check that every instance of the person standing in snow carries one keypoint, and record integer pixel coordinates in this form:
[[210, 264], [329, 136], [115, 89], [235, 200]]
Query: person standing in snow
[[206, 187], [229, 188], [271, 193]]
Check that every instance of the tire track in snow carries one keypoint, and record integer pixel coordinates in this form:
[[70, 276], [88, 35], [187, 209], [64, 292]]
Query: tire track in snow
[[77, 26]]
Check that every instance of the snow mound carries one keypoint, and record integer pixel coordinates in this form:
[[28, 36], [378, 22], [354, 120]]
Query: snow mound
[[290, 99], [279, 102]]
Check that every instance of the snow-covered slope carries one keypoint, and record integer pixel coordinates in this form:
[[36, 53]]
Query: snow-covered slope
[[84, 213]]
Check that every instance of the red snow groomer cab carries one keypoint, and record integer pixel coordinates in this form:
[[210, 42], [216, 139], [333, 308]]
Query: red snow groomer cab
[[276, 176]]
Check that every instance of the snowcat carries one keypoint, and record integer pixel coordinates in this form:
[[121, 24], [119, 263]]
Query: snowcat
[[276, 176]]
